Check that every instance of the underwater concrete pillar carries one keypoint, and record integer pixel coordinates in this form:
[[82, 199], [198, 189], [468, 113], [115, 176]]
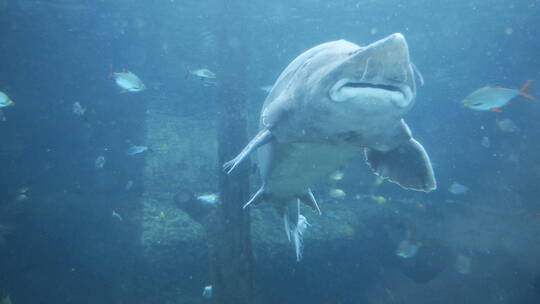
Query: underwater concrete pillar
[[230, 240]]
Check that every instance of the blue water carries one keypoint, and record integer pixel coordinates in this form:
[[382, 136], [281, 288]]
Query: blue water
[[64, 246]]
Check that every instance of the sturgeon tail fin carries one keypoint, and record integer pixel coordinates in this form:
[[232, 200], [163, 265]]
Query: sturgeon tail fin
[[295, 226]]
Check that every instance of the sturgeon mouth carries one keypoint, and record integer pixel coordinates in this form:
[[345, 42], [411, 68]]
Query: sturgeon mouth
[[374, 86], [348, 89]]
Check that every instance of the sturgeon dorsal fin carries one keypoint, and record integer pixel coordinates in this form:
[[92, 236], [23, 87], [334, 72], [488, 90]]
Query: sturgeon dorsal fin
[[309, 199], [263, 137]]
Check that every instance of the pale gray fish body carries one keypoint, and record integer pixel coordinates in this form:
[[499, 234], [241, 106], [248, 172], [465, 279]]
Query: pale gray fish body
[[332, 103], [489, 98], [129, 81], [208, 198], [136, 150], [204, 73], [5, 101]]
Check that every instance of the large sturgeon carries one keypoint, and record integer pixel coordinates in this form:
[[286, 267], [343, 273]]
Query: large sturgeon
[[331, 103]]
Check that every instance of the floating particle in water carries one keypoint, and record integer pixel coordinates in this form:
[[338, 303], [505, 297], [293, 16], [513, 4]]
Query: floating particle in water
[[458, 189], [485, 142], [129, 185], [117, 216], [100, 162], [507, 126], [463, 264]]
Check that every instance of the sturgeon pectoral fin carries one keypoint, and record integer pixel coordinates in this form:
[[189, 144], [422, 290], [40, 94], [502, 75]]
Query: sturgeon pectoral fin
[[257, 198], [408, 165], [309, 200], [262, 138]]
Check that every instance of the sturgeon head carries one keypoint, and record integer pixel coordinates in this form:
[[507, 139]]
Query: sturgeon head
[[339, 91]]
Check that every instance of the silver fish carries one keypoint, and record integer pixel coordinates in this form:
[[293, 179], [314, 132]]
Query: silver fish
[[5, 101], [136, 150], [128, 81], [208, 198], [494, 98], [333, 102], [204, 73]]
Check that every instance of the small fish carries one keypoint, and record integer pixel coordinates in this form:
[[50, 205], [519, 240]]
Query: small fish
[[463, 264], [5, 101], [77, 109], [409, 247], [485, 142], [207, 292], [129, 185], [128, 81], [507, 126], [337, 176], [494, 98], [136, 150], [22, 197], [23, 189], [100, 162], [208, 198], [337, 193], [266, 88], [204, 73], [381, 200], [458, 189], [117, 216], [161, 215]]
